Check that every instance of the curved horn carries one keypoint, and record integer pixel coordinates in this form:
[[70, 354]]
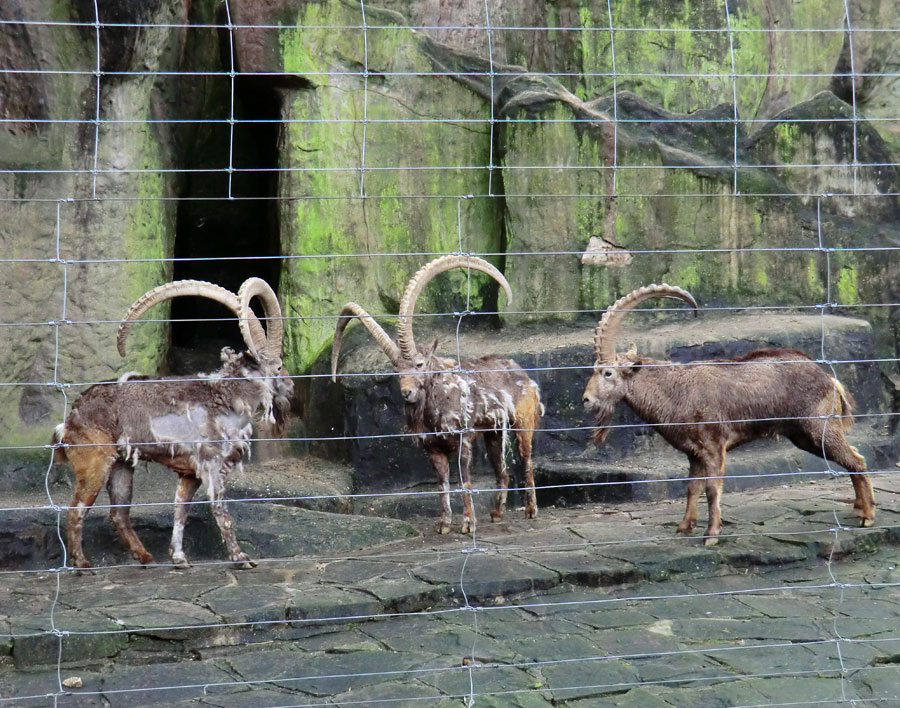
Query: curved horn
[[420, 280], [608, 327], [351, 310], [178, 288], [272, 339]]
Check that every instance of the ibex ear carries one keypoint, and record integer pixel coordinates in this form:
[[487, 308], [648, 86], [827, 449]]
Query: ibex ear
[[629, 362], [432, 347]]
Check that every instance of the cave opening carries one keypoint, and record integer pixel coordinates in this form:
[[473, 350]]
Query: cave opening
[[220, 239]]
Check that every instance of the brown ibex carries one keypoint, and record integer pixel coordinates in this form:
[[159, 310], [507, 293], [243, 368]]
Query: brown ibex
[[706, 408], [200, 426], [450, 404]]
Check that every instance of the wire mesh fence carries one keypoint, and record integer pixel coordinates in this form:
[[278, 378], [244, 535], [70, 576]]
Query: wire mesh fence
[[745, 153]]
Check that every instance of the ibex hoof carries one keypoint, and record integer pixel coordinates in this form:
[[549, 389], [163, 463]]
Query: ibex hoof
[[468, 526], [684, 529], [866, 523], [530, 512], [242, 561], [82, 563], [711, 541], [142, 558], [180, 561], [443, 528], [496, 515]]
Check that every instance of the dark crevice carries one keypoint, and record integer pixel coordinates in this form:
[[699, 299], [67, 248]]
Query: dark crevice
[[220, 239], [498, 188]]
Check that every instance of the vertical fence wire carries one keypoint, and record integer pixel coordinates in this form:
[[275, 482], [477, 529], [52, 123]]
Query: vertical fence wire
[[479, 545]]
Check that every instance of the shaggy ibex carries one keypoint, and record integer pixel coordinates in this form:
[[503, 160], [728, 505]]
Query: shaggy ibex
[[200, 426], [449, 403], [706, 408]]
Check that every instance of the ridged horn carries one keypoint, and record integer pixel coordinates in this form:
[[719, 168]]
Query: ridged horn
[[420, 280], [608, 327], [272, 340], [351, 310], [178, 288]]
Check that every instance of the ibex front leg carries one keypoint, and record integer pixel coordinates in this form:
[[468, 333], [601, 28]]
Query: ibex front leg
[[707, 470], [187, 487], [465, 471], [495, 443], [714, 468], [223, 519]]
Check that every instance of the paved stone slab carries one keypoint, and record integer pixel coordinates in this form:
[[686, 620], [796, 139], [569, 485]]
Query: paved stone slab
[[480, 575], [588, 567], [127, 686], [556, 600], [589, 678], [84, 635], [326, 674], [332, 603]]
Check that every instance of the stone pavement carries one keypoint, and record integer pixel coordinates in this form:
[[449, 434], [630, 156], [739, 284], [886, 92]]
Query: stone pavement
[[596, 605]]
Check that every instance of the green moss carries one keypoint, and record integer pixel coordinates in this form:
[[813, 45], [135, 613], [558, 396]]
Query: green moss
[[147, 238], [847, 285], [364, 219], [813, 279]]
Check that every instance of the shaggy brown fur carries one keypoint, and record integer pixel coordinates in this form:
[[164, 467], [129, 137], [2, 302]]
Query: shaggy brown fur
[[451, 404], [199, 426], [706, 408]]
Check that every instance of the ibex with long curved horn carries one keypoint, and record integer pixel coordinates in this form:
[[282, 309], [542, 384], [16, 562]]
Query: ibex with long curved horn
[[200, 425], [450, 404], [706, 408]]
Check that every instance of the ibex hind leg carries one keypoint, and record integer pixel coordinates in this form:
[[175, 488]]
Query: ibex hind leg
[[120, 485], [524, 440], [91, 464], [836, 448], [494, 443], [528, 418]]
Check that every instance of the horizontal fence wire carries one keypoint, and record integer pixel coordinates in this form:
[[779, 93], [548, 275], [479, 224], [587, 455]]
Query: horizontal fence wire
[[476, 669]]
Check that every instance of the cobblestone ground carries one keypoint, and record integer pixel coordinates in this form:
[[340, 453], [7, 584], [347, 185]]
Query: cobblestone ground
[[594, 606]]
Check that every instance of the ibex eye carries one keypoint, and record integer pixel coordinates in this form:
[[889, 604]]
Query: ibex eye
[[420, 364], [608, 374]]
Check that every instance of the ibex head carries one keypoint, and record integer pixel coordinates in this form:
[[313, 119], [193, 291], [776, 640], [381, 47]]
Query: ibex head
[[263, 357], [414, 365], [611, 380]]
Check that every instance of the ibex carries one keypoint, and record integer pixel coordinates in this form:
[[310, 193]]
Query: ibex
[[706, 408], [450, 404], [199, 426]]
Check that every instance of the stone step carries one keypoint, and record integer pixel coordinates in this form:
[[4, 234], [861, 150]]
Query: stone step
[[661, 472], [320, 573], [559, 357], [31, 531], [657, 472]]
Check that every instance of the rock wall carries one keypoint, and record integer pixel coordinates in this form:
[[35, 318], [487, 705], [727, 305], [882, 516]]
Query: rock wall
[[398, 143]]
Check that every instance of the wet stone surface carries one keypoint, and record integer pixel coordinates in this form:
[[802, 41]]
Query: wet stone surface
[[589, 606]]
